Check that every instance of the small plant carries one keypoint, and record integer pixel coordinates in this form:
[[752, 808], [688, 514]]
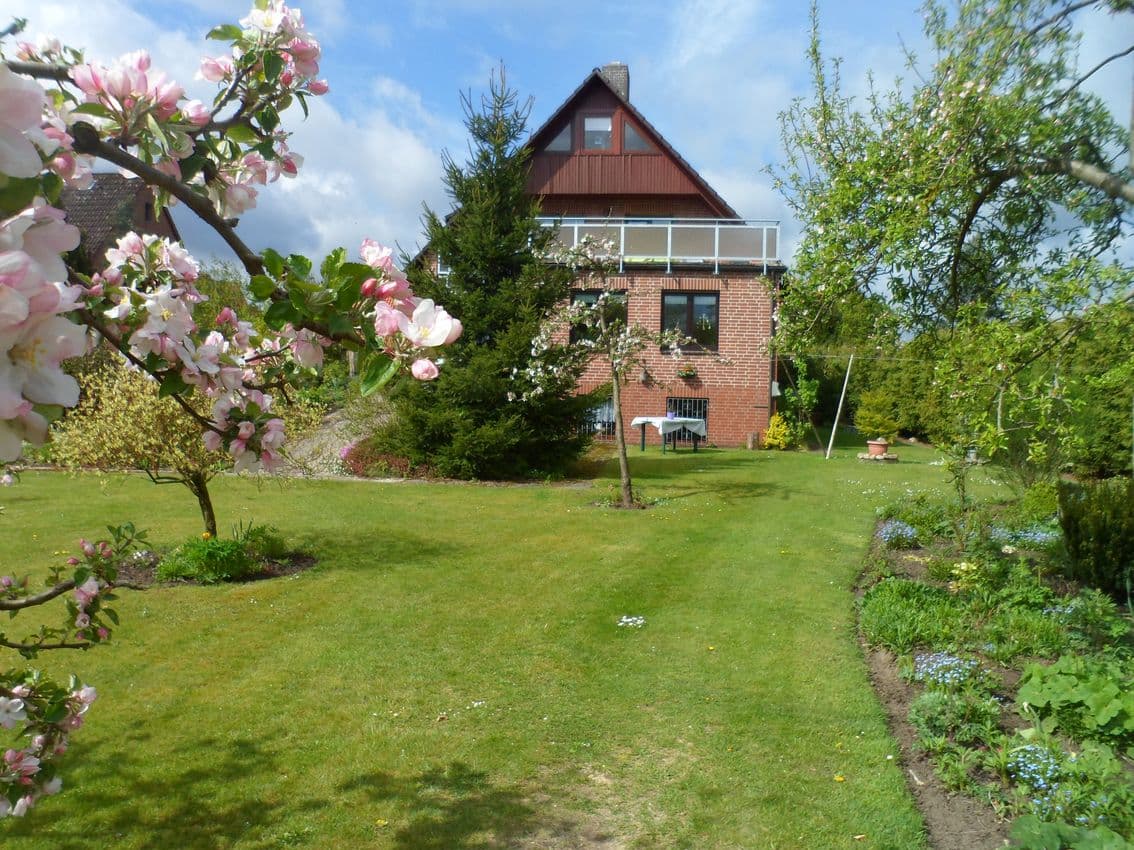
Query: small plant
[[1091, 700], [943, 669], [963, 718], [901, 615], [209, 560], [931, 518], [1033, 833], [896, 534], [262, 542], [687, 371]]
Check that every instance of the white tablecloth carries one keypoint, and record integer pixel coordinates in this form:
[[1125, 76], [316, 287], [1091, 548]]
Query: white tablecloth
[[665, 425]]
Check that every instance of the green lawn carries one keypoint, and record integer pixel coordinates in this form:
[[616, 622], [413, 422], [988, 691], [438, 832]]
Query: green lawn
[[451, 674]]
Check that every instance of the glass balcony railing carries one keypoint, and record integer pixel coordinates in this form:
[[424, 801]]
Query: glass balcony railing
[[668, 242], [678, 241]]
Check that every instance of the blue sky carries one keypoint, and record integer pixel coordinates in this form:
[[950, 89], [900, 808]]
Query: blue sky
[[711, 75]]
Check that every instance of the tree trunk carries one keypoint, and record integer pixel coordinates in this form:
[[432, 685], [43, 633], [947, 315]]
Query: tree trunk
[[620, 439], [198, 482]]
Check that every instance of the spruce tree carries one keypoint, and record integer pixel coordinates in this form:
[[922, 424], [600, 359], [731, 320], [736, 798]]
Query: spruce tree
[[470, 423]]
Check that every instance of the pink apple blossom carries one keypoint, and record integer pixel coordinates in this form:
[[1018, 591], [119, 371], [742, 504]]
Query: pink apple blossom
[[429, 325], [196, 113], [424, 369], [88, 590], [215, 69], [377, 256], [21, 106], [12, 711]]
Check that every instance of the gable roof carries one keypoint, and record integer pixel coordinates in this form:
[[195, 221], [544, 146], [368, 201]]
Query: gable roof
[[106, 211], [543, 135]]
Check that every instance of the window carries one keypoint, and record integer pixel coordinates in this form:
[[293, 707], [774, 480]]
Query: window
[[633, 141], [695, 314], [562, 141], [600, 421], [597, 132], [692, 408], [615, 311]]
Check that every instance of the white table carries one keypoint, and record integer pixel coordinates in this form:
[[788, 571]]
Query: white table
[[667, 425]]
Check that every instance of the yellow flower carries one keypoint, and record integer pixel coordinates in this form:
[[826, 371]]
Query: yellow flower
[[206, 536]]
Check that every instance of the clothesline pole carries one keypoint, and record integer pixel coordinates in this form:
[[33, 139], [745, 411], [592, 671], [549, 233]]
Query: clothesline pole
[[839, 409]]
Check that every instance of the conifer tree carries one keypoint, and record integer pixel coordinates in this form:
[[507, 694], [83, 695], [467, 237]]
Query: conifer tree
[[470, 422]]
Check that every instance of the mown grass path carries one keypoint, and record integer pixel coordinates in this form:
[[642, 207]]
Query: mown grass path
[[451, 675]]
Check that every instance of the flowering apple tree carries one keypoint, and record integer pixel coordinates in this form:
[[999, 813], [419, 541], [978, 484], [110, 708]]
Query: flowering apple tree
[[604, 332], [59, 114]]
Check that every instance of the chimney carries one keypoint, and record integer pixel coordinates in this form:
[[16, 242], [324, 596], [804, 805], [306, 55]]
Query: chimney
[[617, 74]]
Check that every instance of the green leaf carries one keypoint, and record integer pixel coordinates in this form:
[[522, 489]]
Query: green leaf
[[340, 325], [17, 194], [56, 713], [111, 615], [377, 373], [302, 103], [349, 291], [331, 264], [92, 109], [172, 384], [225, 32], [244, 134], [269, 119], [279, 314], [357, 271], [273, 262], [52, 187], [262, 287], [273, 67], [300, 266]]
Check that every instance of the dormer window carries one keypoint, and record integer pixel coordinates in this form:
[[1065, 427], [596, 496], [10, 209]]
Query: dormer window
[[562, 141], [598, 132], [633, 141]]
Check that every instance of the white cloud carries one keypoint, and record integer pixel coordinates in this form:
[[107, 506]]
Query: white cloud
[[366, 175]]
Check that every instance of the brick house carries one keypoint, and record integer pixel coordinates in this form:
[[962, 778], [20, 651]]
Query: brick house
[[687, 259], [111, 207]]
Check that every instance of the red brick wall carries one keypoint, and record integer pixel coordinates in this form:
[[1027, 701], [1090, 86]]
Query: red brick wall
[[739, 390]]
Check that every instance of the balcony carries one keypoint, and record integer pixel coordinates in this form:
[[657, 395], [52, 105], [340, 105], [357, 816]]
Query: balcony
[[669, 242]]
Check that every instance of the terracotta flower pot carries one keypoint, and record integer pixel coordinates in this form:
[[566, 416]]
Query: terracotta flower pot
[[877, 448]]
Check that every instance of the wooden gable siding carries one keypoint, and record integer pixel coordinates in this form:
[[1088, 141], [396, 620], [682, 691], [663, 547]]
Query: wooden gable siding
[[610, 173], [616, 206]]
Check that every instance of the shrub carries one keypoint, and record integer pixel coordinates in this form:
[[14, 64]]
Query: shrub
[[1098, 529], [208, 560], [779, 434], [875, 416]]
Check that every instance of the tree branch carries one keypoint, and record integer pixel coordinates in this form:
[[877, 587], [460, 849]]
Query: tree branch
[[38, 599], [40, 71], [1100, 178], [1061, 14], [36, 647], [1067, 92], [87, 141]]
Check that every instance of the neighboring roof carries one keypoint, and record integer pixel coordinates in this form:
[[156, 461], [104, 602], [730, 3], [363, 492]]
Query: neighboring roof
[[105, 211], [537, 138]]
